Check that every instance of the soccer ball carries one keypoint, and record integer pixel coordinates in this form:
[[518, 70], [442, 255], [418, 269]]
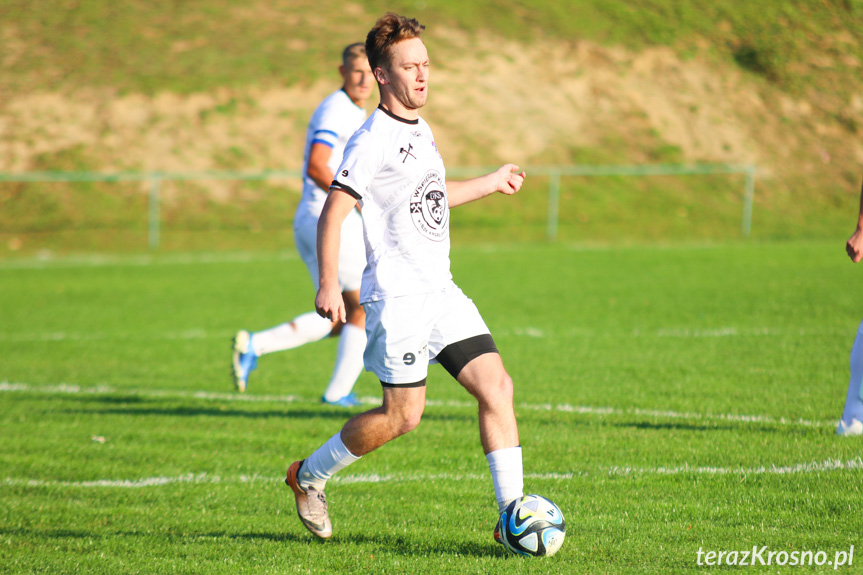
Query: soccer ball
[[532, 525]]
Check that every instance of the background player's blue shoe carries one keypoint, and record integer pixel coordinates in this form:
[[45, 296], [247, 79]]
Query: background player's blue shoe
[[853, 427], [350, 400], [244, 361]]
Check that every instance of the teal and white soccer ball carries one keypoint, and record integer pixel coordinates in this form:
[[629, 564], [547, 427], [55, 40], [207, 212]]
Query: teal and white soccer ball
[[533, 526]]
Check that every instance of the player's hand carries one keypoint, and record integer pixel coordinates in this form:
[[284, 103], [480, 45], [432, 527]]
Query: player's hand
[[509, 179], [330, 304], [854, 247]]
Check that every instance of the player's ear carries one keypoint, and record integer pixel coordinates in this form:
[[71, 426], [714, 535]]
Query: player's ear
[[381, 75], [342, 71]]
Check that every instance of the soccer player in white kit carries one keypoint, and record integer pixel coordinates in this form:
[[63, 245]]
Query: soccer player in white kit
[[415, 314], [332, 124], [852, 416]]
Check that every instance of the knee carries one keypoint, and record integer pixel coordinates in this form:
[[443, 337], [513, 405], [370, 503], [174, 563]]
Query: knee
[[505, 387], [405, 419], [498, 391], [409, 420], [409, 424]]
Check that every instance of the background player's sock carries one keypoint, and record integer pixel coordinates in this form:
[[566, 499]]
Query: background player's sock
[[349, 362], [302, 329], [854, 402], [330, 458], [507, 474]]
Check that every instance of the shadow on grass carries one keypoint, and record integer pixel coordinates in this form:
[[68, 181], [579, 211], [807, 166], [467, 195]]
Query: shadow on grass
[[392, 544], [115, 399], [133, 406], [323, 412], [757, 428], [389, 544], [677, 426], [216, 412], [170, 536]]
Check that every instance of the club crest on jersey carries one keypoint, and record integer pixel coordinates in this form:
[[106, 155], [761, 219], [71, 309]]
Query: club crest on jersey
[[429, 209]]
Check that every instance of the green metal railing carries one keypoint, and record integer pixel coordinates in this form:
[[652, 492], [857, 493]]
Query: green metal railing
[[155, 179], [554, 174]]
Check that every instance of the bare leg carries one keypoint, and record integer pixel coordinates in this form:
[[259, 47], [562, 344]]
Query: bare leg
[[356, 313], [487, 380], [401, 412]]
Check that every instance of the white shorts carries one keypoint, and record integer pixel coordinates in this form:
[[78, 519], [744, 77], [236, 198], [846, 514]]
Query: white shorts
[[405, 334], [352, 250]]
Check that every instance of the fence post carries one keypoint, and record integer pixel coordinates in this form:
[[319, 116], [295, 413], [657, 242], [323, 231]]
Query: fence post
[[155, 210], [553, 205], [748, 195]]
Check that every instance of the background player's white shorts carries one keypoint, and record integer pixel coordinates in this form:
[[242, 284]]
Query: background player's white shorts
[[352, 251], [406, 333]]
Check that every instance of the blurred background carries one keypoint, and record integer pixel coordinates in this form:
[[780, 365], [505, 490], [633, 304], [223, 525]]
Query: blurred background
[[134, 126]]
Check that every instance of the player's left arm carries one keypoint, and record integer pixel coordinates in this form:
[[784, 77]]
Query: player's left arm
[[318, 169], [507, 180]]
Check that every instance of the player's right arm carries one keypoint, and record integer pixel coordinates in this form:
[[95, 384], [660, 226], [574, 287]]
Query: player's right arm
[[329, 302], [854, 247]]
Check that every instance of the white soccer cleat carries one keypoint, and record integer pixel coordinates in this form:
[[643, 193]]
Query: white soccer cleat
[[244, 360], [311, 504], [855, 427]]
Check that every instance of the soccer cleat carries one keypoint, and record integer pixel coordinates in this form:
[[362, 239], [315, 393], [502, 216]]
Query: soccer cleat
[[497, 536], [855, 427], [350, 400], [311, 504], [244, 361]]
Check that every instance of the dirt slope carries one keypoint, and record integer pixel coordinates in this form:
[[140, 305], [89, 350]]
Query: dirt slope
[[491, 101]]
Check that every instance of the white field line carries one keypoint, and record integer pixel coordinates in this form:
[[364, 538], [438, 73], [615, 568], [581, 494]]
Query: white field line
[[826, 466], [47, 259], [96, 336], [523, 332], [72, 389], [105, 260], [63, 388]]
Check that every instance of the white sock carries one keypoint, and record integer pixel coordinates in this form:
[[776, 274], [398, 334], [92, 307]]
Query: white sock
[[507, 475], [302, 329], [854, 401], [349, 362], [330, 458]]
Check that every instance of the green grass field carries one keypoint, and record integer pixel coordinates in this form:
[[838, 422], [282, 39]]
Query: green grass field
[[669, 400]]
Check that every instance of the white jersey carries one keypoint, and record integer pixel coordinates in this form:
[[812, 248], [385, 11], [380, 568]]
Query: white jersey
[[392, 166], [332, 124]]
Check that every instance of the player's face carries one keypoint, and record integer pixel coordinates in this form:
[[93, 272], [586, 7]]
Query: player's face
[[359, 80], [408, 73]]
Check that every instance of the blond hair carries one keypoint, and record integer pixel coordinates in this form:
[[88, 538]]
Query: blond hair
[[352, 52]]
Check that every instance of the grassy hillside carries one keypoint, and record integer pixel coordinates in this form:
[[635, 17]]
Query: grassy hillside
[[224, 84], [204, 45]]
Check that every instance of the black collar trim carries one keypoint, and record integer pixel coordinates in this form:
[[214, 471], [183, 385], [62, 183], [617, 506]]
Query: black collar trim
[[399, 118]]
